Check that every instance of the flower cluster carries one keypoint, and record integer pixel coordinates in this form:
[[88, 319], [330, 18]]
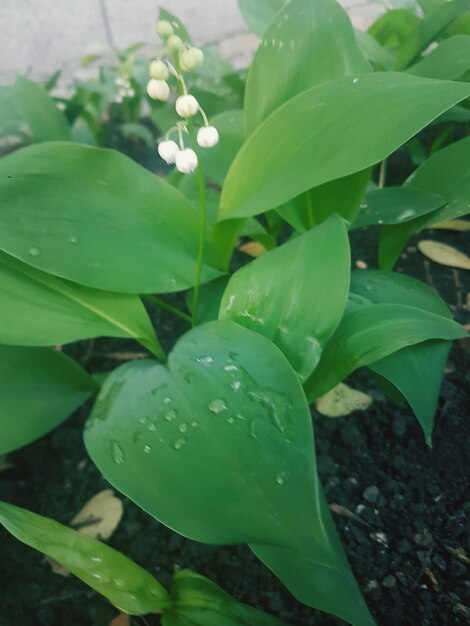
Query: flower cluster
[[125, 89], [185, 58]]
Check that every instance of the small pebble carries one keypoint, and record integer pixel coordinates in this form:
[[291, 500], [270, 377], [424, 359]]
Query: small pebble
[[422, 538], [389, 581], [361, 265], [379, 537], [371, 494]]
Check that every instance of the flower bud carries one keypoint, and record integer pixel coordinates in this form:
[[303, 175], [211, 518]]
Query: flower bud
[[186, 161], [174, 42], [190, 59], [158, 70], [158, 89], [168, 150], [187, 106], [207, 137], [164, 28]]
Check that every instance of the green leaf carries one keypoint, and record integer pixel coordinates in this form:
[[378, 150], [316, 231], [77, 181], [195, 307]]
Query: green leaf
[[306, 44], [426, 31], [124, 583], [95, 217], [225, 433], [287, 295], [395, 205], [38, 309], [370, 333], [197, 601], [140, 132], [449, 61], [27, 107], [178, 27], [328, 132], [416, 371], [217, 160], [392, 29], [40, 389], [257, 15], [445, 173]]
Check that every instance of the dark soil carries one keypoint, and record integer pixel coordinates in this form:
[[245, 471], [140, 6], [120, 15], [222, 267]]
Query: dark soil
[[402, 509]]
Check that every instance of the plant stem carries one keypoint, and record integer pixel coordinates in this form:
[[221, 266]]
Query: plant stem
[[201, 183], [168, 307], [382, 174]]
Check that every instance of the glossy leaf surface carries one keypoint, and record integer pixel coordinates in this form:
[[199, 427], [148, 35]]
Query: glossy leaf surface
[[445, 173], [225, 433], [124, 583], [197, 601], [306, 44], [295, 294], [39, 309], [371, 332], [40, 389], [395, 205], [416, 371], [328, 132], [95, 217]]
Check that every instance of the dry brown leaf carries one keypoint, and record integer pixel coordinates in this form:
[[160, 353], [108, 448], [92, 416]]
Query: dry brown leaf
[[57, 568], [443, 254], [123, 619], [461, 226], [253, 248], [100, 516], [342, 400], [429, 573]]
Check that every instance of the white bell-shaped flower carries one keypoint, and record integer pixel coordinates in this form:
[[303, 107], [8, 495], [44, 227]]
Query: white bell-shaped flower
[[164, 28], [168, 150], [208, 136], [190, 59], [158, 89], [174, 42], [187, 106], [186, 161], [158, 70]]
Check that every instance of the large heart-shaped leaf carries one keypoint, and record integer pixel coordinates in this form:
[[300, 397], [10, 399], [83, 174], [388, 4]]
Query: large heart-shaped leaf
[[333, 130], [95, 217], [371, 332], [38, 309], [40, 388], [308, 43], [416, 371], [218, 445], [445, 173], [124, 583], [288, 296]]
